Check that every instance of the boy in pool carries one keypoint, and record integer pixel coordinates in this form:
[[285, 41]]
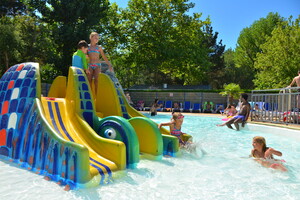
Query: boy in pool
[[264, 154]]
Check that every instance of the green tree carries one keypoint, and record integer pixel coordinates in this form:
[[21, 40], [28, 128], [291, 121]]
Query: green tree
[[115, 39], [249, 44], [230, 68], [216, 72], [24, 38], [10, 42], [163, 44], [37, 44], [279, 60], [232, 91], [11, 8], [70, 22], [234, 74]]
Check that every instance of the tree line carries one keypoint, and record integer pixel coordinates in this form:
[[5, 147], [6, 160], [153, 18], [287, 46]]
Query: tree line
[[149, 42]]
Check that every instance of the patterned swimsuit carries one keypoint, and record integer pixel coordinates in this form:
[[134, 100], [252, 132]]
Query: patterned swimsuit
[[177, 132], [96, 50]]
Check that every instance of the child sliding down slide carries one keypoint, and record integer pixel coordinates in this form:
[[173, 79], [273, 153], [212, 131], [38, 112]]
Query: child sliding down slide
[[175, 130]]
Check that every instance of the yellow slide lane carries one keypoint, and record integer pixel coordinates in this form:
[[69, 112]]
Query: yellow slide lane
[[69, 128], [73, 99], [112, 102]]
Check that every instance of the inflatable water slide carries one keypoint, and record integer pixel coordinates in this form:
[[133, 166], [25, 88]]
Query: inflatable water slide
[[68, 136], [144, 127]]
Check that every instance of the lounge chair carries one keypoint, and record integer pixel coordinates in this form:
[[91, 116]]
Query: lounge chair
[[186, 107], [291, 117], [267, 106], [196, 108], [162, 105], [140, 105], [208, 107], [259, 113], [176, 107], [168, 106]]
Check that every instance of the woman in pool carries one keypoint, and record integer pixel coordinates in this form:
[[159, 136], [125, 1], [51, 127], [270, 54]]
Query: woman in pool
[[264, 154]]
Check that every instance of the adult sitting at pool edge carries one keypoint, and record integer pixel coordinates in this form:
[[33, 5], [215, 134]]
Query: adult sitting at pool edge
[[241, 116]]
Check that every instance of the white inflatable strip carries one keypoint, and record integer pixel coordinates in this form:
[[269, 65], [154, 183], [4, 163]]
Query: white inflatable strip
[[13, 118], [22, 74], [15, 93]]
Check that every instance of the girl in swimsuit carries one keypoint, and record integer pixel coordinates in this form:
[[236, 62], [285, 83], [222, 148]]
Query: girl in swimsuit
[[264, 154], [175, 126], [230, 111], [95, 63]]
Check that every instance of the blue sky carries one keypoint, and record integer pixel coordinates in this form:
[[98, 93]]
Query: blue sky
[[229, 17]]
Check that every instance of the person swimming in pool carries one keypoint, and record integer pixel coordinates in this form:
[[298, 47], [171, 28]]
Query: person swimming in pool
[[241, 116], [264, 154]]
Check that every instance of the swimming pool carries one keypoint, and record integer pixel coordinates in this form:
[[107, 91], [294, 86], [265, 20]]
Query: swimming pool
[[224, 172]]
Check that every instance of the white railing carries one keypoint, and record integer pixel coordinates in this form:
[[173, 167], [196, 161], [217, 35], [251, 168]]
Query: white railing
[[276, 105]]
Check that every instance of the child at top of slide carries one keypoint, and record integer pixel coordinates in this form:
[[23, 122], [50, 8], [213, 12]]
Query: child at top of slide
[[79, 57], [95, 63]]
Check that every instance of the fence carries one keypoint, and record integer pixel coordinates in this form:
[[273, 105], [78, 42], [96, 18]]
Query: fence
[[276, 105], [194, 97]]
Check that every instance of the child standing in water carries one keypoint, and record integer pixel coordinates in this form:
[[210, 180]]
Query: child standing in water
[[95, 64], [264, 154]]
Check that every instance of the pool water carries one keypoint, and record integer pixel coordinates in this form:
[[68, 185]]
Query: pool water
[[224, 171]]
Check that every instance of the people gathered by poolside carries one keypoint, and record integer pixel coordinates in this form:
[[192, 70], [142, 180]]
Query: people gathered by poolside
[[241, 116], [155, 105], [219, 109], [176, 107], [128, 97], [208, 107], [230, 111]]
